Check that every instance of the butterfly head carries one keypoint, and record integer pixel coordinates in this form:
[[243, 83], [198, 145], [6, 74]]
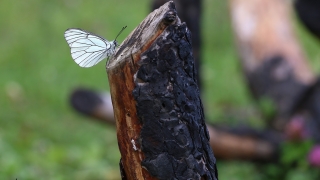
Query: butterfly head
[[115, 43]]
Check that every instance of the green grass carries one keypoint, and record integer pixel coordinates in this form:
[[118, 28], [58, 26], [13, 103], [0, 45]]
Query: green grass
[[41, 137]]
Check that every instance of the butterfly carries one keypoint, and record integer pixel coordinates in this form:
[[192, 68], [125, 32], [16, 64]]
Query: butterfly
[[88, 49]]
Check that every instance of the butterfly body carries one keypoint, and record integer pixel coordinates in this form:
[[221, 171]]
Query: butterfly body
[[88, 49]]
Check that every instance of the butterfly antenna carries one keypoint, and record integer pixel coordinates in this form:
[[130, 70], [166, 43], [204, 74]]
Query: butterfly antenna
[[120, 32]]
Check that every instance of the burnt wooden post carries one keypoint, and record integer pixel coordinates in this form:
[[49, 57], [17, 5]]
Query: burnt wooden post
[[272, 58], [159, 117], [189, 11]]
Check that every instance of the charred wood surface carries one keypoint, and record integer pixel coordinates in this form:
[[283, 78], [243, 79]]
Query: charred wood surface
[[189, 11], [174, 137], [160, 123]]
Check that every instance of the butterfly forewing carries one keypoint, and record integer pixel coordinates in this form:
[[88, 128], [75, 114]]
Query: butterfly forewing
[[72, 35], [87, 49]]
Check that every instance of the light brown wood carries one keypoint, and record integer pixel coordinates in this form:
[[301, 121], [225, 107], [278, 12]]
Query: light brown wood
[[231, 146]]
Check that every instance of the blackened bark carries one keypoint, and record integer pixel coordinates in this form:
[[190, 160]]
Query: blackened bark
[[286, 92], [189, 11], [174, 137]]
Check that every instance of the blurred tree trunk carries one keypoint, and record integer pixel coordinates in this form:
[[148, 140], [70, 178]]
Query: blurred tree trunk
[[274, 64], [189, 12], [159, 117]]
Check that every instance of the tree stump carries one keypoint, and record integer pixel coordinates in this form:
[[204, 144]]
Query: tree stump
[[159, 116], [272, 58]]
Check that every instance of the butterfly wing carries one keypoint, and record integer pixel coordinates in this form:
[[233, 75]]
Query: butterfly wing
[[87, 49]]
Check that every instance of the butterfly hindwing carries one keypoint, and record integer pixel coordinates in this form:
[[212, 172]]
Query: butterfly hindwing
[[87, 49]]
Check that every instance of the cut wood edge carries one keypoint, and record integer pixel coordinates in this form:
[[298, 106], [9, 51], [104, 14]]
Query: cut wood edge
[[144, 35]]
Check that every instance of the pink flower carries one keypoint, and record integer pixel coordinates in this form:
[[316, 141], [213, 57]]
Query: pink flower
[[314, 156]]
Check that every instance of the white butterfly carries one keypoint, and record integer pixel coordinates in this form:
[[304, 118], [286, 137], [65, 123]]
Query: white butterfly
[[88, 49]]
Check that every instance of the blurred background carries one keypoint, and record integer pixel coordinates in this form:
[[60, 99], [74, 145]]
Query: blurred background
[[41, 136]]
